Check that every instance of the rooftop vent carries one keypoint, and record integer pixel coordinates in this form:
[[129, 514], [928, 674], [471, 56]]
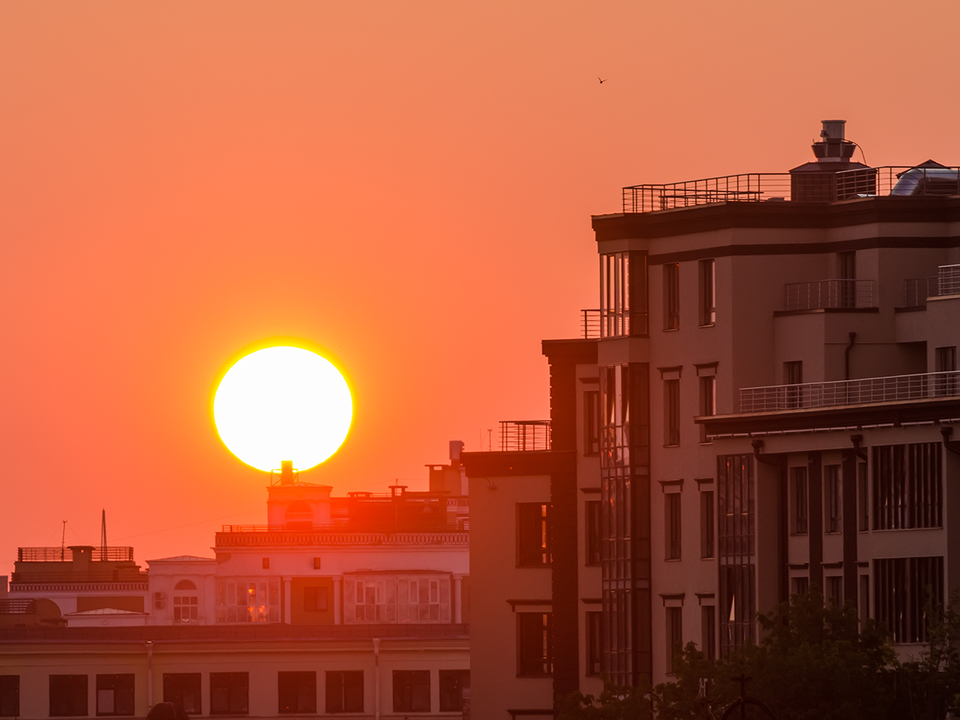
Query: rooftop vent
[[832, 146]]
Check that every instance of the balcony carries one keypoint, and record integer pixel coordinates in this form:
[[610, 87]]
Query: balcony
[[331, 536], [524, 435], [66, 554], [590, 324], [898, 181], [829, 294], [945, 282], [841, 393]]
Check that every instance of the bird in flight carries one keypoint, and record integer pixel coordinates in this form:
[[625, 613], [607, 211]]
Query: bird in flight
[[602, 80]]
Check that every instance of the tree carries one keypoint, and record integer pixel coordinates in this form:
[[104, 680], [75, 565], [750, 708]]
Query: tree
[[614, 703]]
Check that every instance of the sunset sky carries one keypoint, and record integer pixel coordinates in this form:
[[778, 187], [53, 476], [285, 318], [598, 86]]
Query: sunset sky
[[406, 184]]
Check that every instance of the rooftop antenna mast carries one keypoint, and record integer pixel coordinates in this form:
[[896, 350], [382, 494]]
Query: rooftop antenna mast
[[63, 538], [103, 535]]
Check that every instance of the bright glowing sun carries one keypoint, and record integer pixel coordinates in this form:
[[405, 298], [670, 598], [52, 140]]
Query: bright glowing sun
[[283, 403]]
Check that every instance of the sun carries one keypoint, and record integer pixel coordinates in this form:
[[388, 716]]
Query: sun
[[283, 403]]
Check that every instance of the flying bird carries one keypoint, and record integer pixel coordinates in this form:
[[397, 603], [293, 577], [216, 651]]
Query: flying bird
[[602, 80]]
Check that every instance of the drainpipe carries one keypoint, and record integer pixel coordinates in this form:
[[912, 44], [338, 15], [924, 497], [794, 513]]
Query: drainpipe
[[846, 356], [149, 674], [376, 678]]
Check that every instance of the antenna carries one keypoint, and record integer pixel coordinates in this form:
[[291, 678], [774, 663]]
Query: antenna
[[63, 536], [103, 535]]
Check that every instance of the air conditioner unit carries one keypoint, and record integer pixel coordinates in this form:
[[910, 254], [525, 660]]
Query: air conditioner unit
[[159, 600]]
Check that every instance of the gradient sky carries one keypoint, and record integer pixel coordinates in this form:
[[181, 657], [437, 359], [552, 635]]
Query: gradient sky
[[408, 184]]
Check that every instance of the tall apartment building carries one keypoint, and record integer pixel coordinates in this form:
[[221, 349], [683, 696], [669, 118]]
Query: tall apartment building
[[356, 604], [765, 400]]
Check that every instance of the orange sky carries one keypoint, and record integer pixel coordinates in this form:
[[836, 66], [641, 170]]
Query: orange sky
[[408, 184]]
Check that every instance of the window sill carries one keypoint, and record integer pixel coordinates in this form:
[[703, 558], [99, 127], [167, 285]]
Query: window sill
[[707, 325], [676, 329], [672, 446], [672, 559], [712, 557]]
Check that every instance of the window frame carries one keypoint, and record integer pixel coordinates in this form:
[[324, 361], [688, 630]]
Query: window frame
[[673, 526], [671, 296], [408, 696], [289, 691], [82, 687], [707, 525], [671, 412], [534, 520], [453, 682], [534, 644], [707, 277], [350, 695], [230, 681], [174, 685], [117, 682], [674, 636], [9, 695], [592, 534]]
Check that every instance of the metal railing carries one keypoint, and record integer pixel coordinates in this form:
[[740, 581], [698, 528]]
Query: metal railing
[[265, 536], [896, 180], [65, 554], [524, 435], [834, 293], [840, 393], [18, 606], [590, 324], [917, 290], [948, 280]]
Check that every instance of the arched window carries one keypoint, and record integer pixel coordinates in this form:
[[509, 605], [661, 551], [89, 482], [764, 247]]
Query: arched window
[[186, 603]]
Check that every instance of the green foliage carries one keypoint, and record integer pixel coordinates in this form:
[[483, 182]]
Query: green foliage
[[632, 703]]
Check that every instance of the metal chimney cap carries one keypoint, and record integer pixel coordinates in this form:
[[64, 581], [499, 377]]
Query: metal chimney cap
[[833, 129]]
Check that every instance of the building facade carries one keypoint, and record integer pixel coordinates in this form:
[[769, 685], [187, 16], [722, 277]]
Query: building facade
[[765, 400]]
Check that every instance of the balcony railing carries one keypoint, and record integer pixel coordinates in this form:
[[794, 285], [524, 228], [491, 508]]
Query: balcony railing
[[271, 536], [590, 324], [822, 294], [524, 435], [842, 393], [902, 181], [945, 282], [65, 554]]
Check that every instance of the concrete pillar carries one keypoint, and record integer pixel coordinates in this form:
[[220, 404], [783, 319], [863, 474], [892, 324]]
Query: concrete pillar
[[457, 599], [287, 601], [337, 596]]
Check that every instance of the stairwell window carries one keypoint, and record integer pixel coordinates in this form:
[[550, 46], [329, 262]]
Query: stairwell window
[[708, 292]]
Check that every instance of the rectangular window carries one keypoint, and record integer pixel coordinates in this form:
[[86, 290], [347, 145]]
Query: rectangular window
[[847, 268], [314, 599], [864, 598], [185, 608], [594, 643], [799, 500], [902, 589], [9, 695], [706, 524], [623, 294], [183, 690], [297, 691], [672, 522], [534, 543], [115, 694], [708, 401], [591, 422], [344, 691], [946, 362], [708, 292], [708, 627], [242, 600], [671, 296], [736, 551], [411, 691], [907, 489], [835, 590], [671, 412], [792, 379], [534, 644], [229, 693], [833, 499], [862, 504], [68, 695], [592, 531], [674, 636], [800, 585], [454, 690]]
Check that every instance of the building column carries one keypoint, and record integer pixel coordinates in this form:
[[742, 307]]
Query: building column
[[337, 595], [458, 602], [287, 600]]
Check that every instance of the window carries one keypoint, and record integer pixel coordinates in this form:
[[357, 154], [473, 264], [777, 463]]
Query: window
[[862, 504], [907, 490], [902, 589], [316, 563], [266, 563], [185, 602], [9, 695], [799, 500], [183, 690], [793, 378], [708, 627], [534, 543], [946, 362], [591, 510], [594, 642], [411, 691], [243, 601], [314, 599], [229, 693], [397, 599], [864, 598], [736, 551], [672, 525], [115, 694], [344, 691], [708, 292], [671, 296], [534, 644], [800, 585], [591, 422], [706, 524], [847, 269], [835, 590], [833, 497], [297, 691], [674, 636], [708, 401], [68, 695], [671, 412], [454, 690], [623, 294]]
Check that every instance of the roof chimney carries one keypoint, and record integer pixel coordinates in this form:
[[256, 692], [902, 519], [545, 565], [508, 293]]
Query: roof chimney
[[286, 472], [833, 147]]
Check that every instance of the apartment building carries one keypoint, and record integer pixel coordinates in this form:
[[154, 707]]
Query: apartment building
[[357, 604], [765, 400]]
